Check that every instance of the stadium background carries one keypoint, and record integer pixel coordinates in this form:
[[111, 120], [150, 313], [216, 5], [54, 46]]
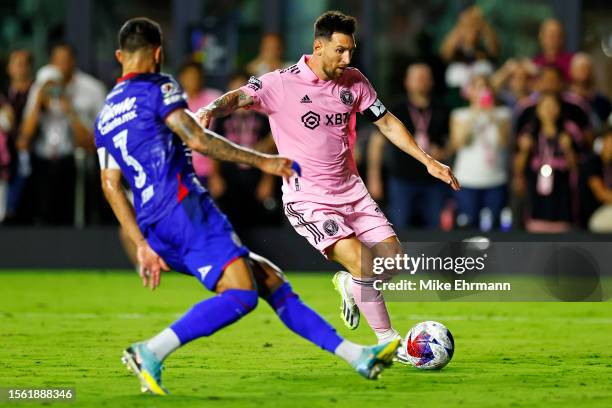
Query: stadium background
[[223, 37]]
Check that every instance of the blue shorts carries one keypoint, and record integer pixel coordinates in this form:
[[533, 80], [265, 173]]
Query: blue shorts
[[196, 238]]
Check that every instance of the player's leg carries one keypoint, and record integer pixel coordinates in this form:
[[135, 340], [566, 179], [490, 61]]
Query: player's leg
[[236, 297], [198, 240], [374, 231], [277, 291], [357, 259], [323, 225], [302, 320], [374, 238]]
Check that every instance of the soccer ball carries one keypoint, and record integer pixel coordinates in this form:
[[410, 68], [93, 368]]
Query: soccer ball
[[429, 345]]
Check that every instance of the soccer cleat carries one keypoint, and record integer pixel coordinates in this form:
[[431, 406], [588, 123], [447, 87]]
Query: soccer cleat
[[374, 359], [143, 363], [401, 356], [349, 312]]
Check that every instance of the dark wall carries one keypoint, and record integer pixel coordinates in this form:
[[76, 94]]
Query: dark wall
[[100, 247]]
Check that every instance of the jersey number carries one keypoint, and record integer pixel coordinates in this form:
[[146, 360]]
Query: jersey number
[[120, 142]]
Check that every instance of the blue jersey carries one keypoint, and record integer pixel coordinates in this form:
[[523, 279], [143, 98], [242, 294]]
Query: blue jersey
[[130, 132]]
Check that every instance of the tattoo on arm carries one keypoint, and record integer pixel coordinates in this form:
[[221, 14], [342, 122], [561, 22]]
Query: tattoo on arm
[[228, 103], [209, 143]]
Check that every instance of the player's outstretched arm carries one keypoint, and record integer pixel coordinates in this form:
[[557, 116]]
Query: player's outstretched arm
[[151, 264], [217, 147], [396, 132], [223, 106]]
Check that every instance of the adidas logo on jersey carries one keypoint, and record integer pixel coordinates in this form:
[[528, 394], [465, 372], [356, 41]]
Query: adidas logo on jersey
[[305, 99]]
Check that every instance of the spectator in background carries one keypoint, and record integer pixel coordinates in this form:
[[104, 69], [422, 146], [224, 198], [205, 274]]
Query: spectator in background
[[270, 56], [19, 70], [513, 82], [59, 115], [410, 189], [192, 80], [552, 46], [550, 80], [469, 49], [598, 172], [7, 120], [247, 196], [546, 166], [479, 136], [582, 86]]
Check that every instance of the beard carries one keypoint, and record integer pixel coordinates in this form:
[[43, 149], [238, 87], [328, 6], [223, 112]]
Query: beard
[[333, 73]]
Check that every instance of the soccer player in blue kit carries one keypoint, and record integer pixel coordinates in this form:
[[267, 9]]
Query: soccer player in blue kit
[[145, 134]]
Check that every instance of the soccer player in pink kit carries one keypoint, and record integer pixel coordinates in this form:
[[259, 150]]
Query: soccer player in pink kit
[[311, 107]]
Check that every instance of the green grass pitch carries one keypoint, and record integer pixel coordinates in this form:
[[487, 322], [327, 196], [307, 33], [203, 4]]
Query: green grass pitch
[[67, 329]]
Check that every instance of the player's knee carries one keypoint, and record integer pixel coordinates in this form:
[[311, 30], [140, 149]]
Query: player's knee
[[349, 258], [281, 296], [245, 300]]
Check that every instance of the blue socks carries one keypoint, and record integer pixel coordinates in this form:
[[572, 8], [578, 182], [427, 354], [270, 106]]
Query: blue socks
[[212, 314], [303, 320]]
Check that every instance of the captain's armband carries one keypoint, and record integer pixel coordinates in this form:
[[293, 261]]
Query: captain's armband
[[376, 111]]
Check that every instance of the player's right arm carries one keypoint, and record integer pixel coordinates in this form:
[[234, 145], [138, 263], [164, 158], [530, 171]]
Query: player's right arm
[[217, 147], [224, 105], [151, 264], [265, 94]]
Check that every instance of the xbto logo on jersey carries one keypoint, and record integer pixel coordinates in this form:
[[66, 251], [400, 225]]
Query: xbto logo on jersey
[[347, 97], [336, 119], [311, 120]]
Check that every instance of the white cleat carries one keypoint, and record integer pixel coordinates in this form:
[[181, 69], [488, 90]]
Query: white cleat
[[349, 312], [401, 355]]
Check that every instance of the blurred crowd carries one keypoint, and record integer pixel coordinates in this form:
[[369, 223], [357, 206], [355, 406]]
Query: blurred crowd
[[48, 168], [529, 139]]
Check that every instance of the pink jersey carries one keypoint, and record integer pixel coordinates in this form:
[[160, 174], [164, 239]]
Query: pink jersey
[[202, 164], [313, 123]]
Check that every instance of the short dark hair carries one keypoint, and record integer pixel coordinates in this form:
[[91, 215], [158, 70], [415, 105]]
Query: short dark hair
[[138, 33], [66, 45], [27, 53], [334, 22]]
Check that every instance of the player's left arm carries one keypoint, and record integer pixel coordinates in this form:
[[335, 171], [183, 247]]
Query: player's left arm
[[394, 130], [151, 264]]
